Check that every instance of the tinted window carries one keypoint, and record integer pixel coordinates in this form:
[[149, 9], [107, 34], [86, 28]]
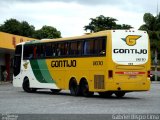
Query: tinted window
[[39, 52], [73, 48], [18, 50], [80, 48], [88, 47], [100, 48], [48, 50], [66, 48], [28, 52], [54, 48], [17, 60]]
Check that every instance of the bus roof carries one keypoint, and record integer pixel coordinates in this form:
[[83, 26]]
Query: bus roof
[[87, 35]]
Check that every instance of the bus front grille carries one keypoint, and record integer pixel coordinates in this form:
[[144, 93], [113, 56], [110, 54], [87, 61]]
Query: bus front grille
[[99, 81]]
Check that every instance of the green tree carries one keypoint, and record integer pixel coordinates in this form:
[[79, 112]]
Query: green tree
[[104, 23], [23, 28], [152, 26], [11, 26], [47, 32], [125, 26], [26, 29], [14, 26], [150, 22]]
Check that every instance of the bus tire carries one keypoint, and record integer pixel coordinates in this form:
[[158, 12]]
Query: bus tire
[[73, 87], [55, 90], [85, 89], [26, 86], [119, 94], [105, 94]]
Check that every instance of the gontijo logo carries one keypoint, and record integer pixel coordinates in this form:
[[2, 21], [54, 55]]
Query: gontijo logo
[[131, 39], [25, 65]]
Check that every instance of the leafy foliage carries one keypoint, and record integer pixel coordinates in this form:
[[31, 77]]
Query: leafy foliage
[[47, 32], [23, 28], [26, 29], [11, 26], [104, 23], [152, 26]]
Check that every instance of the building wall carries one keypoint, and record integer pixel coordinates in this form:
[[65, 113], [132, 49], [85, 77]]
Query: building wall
[[9, 41], [7, 47]]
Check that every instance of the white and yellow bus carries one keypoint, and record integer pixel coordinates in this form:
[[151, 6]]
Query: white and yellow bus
[[108, 62]]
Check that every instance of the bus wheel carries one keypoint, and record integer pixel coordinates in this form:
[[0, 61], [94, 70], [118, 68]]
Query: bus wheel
[[85, 89], [105, 94], [73, 87], [119, 94], [55, 90], [26, 86]]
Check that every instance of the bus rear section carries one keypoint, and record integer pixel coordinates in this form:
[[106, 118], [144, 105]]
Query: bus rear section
[[130, 55]]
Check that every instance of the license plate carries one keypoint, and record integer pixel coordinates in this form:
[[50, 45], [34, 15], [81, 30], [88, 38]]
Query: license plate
[[132, 76]]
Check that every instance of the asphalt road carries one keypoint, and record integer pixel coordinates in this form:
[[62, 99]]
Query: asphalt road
[[15, 100]]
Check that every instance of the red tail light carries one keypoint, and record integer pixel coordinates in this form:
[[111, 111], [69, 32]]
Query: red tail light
[[110, 74], [149, 74]]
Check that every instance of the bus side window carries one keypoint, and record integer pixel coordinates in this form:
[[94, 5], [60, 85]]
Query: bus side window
[[58, 50], [30, 49], [43, 52], [73, 48], [85, 48], [66, 48], [28, 52], [48, 50], [99, 47], [80, 47], [39, 51], [25, 53], [53, 49], [102, 45], [35, 52], [88, 47], [62, 50]]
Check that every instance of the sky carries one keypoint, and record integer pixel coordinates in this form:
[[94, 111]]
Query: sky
[[70, 16]]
